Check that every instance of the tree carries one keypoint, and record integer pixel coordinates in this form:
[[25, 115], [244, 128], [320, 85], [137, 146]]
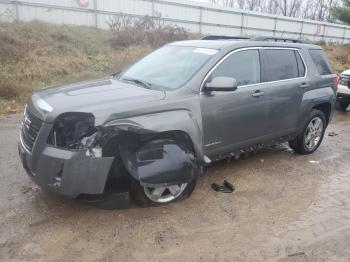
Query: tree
[[342, 13], [308, 9]]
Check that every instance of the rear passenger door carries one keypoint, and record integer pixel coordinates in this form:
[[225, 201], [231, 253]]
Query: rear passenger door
[[284, 74]]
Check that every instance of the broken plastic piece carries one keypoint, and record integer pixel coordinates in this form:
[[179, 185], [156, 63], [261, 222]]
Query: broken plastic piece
[[332, 134], [227, 187]]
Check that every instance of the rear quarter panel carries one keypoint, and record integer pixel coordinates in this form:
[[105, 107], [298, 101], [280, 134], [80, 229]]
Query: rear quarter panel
[[321, 90]]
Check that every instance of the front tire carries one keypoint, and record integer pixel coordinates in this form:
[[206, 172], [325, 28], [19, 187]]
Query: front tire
[[312, 134]]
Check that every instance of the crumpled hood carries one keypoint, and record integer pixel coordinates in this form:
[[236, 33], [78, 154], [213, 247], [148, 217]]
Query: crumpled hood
[[97, 97]]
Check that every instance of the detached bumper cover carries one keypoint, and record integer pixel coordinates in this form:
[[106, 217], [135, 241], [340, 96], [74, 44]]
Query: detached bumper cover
[[66, 172]]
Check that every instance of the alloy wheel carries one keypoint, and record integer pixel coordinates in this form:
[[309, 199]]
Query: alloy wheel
[[313, 133], [164, 194]]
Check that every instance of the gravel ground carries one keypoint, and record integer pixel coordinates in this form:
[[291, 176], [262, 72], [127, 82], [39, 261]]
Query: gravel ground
[[286, 207]]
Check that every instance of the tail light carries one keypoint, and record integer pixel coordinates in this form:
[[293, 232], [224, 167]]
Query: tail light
[[335, 82]]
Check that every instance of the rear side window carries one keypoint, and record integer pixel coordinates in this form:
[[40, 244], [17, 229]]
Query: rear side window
[[300, 63], [281, 64], [244, 66], [323, 67]]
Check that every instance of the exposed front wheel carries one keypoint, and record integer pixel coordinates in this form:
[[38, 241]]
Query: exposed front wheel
[[161, 195], [311, 137]]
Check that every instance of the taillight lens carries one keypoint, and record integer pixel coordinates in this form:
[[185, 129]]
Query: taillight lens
[[335, 82]]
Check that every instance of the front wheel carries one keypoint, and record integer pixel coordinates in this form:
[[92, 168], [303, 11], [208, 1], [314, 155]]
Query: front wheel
[[311, 137], [161, 195]]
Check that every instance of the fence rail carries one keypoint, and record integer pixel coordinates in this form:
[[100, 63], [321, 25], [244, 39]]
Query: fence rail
[[196, 17]]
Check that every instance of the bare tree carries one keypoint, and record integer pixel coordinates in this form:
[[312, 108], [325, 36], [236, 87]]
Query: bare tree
[[307, 9]]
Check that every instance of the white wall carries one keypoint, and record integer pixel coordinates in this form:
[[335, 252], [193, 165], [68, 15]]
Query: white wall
[[194, 16]]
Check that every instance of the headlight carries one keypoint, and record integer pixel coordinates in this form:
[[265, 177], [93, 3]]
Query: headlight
[[70, 128], [42, 104]]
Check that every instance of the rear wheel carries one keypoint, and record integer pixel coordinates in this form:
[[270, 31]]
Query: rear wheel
[[311, 137]]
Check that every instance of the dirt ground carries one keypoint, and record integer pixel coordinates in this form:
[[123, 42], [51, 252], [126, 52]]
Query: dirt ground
[[285, 208]]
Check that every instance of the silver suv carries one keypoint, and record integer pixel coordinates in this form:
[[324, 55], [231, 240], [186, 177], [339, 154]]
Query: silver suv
[[151, 129]]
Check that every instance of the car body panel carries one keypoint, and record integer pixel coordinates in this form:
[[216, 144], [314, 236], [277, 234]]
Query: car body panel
[[231, 120]]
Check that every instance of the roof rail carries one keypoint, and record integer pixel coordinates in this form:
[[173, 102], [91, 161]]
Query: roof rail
[[224, 37], [259, 38], [278, 39]]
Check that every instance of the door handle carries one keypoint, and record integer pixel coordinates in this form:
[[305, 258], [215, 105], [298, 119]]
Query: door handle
[[304, 85], [257, 93]]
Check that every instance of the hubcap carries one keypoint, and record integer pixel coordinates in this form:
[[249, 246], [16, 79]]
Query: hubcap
[[164, 194], [313, 133]]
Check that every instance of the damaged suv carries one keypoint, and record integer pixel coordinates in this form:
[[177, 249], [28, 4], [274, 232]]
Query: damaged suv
[[149, 130]]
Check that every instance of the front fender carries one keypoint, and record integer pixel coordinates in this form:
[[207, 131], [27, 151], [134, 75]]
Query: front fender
[[176, 120], [160, 162]]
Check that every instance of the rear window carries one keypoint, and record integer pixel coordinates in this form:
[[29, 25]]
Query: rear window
[[301, 65], [323, 67], [283, 64]]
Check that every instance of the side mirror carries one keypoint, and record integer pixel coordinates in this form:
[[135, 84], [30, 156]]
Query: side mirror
[[221, 83]]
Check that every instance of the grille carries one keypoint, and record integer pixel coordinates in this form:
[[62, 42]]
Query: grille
[[345, 80], [30, 129]]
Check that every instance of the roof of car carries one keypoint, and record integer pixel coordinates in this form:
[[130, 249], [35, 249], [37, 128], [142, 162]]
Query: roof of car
[[221, 44]]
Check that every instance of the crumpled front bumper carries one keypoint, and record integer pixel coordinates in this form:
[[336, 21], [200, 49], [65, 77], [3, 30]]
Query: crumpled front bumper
[[66, 172]]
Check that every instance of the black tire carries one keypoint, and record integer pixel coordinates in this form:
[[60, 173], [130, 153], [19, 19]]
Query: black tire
[[298, 144], [138, 193], [343, 105], [115, 196]]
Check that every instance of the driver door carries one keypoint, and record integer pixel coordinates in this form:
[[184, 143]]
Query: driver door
[[234, 119]]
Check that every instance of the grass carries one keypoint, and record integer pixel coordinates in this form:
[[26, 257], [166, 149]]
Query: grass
[[36, 54], [339, 56]]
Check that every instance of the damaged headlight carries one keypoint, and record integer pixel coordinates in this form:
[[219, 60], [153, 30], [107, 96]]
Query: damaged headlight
[[74, 131]]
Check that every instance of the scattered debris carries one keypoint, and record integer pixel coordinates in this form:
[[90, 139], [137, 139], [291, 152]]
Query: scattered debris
[[296, 254], [332, 134], [28, 189], [227, 187], [40, 222], [314, 162]]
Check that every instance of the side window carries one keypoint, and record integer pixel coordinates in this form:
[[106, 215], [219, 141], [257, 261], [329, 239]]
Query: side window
[[244, 66], [282, 64], [320, 61], [301, 65]]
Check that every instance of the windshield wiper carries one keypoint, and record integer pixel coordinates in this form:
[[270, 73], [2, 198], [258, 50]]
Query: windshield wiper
[[139, 82]]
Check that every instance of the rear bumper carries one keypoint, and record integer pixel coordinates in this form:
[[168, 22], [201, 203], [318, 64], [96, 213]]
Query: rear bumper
[[343, 96], [66, 172]]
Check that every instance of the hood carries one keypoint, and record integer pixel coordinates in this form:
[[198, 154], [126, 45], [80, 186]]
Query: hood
[[346, 72], [95, 97]]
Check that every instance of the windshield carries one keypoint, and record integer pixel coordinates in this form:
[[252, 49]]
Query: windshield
[[169, 67]]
